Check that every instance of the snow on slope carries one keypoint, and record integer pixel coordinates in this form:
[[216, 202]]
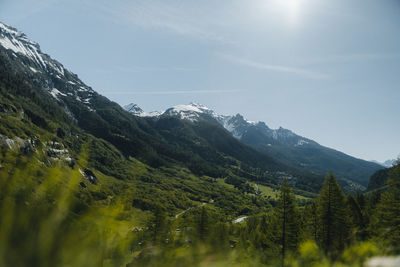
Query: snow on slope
[[137, 111], [16, 41], [28, 55], [236, 125], [191, 112]]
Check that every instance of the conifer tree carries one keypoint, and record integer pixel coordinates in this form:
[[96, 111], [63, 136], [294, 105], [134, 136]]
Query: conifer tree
[[334, 228], [262, 233], [220, 236], [310, 221], [285, 222], [356, 218], [158, 225], [203, 224], [388, 213]]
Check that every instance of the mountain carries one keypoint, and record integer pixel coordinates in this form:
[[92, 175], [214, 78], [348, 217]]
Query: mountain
[[387, 164], [282, 144], [379, 179], [166, 161], [84, 182], [137, 111]]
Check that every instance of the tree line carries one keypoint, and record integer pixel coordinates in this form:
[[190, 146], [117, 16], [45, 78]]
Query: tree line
[[49, 219], [334, 227]]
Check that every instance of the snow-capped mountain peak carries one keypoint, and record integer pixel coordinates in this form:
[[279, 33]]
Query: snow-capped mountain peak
[[137, 111], [237, 125], [19, 43], [48, 73], [134, 109], [192, 111]]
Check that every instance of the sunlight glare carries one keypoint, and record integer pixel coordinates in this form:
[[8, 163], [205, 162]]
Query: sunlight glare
[[290, 10]]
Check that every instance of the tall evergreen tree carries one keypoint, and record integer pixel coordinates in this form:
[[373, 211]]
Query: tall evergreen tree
[[334, 227], [387, 221], [158, 226], [203, 224], [285, 222], [310, 221], [262, 233], [357, 218]]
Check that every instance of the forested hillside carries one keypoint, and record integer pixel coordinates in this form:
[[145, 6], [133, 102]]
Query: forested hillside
[[50, 217]]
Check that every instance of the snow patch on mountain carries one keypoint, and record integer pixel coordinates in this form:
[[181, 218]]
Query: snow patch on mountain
[[301, 142], [33, 70], [55, 93], [137, 111], [8, 29], [187, 108]]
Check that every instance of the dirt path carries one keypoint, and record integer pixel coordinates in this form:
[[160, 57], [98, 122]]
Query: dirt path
[[181, 213]]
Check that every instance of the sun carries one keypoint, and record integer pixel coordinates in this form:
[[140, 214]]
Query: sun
[[289, 10], [292, 9]]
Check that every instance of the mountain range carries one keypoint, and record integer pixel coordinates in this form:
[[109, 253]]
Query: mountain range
[[281, 144], [388, 163], [175, 157], [43, 101]]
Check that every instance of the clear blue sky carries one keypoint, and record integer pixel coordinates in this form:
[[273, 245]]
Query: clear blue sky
[[328, 70]]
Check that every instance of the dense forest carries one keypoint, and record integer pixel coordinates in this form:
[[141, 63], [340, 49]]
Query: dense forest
[[49, 218]]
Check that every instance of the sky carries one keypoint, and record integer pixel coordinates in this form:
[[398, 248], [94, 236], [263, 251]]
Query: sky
[[327, 70]]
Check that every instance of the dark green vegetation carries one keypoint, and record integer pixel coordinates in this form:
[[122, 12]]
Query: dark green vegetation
[[50, 219], [379, 179]]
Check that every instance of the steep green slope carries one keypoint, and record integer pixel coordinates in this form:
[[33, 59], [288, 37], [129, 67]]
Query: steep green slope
[[379, 179], [33, 126], [208, 140]]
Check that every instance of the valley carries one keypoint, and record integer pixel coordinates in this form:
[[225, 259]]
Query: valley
[[86, 182]]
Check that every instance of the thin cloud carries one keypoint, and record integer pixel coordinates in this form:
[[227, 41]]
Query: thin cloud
[[30, 9], [175, 92], [159, 15], [354, 57], [139, 69], [277, 68]]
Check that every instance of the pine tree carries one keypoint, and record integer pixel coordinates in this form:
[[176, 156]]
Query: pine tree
[[220, 236], [334, 227], [203, 224], [262, 233], [310, 221], [357, 218], [158, 226], [387, 222], [285, 222]]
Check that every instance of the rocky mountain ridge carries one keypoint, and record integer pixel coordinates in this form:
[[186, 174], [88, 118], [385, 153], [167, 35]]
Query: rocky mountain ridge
[[281, 144]]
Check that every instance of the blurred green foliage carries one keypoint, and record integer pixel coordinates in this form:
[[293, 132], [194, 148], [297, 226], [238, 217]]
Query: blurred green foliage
[[49, 219]]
